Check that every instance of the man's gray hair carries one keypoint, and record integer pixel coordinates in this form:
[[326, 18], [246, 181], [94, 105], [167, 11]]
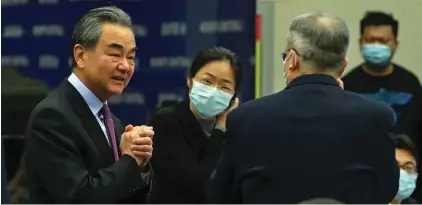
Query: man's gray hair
[[87, 31], [320, 39]]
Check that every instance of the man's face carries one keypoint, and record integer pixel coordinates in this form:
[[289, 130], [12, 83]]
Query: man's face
[[406, 161], [108, 67], [379, 35]]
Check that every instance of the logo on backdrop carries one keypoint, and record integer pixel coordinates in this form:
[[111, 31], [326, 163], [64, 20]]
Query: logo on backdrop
[[14, 2], [128, 98], [168, 97], [221, 26], [48, 30], [13, 31], [173, 28], [48, 62], [170, 62], [15, 61], [48, 2]]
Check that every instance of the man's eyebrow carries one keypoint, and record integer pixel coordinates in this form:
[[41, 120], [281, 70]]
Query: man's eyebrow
[[116, 45], [120, 47]]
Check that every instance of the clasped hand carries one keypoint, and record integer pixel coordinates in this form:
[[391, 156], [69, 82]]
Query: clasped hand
[[137, 142]]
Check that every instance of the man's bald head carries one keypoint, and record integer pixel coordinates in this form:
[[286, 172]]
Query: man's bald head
[[320, 39]]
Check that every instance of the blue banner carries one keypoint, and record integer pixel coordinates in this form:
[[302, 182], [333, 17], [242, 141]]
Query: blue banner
[[36, 40]]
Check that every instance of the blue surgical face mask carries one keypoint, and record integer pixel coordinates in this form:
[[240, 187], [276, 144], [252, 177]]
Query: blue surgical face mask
[[208, 101], [407, 185], [377, 55]]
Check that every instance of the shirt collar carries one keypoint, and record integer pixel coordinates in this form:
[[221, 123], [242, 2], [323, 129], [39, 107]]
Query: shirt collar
[[313, 79], [93, 102]]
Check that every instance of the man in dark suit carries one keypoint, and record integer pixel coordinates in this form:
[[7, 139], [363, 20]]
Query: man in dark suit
[[312, 139], [72, 152]]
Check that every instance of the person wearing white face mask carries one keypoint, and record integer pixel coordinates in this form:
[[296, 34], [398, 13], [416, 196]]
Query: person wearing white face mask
[[188, 135], [407, 158]]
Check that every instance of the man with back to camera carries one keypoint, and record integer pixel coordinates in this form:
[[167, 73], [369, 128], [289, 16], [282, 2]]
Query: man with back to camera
[[380, 79], [312, 139], [73, 153]]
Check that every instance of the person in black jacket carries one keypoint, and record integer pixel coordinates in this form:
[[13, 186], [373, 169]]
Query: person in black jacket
[[76, 150], [188, 135]]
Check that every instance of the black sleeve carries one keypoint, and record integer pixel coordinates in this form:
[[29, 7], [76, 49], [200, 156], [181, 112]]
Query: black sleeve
[[222, 180], [174, 161], [54, 160]]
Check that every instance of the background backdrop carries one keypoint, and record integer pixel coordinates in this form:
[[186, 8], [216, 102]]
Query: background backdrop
[[36, 40]]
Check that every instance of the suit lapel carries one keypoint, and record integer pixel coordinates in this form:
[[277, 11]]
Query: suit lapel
[[90, 123], [118, 129]]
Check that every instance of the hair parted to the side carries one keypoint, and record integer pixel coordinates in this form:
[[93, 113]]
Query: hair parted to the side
[[87, 31]]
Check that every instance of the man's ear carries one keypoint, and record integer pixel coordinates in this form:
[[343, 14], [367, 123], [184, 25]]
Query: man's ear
[[293, 64], [79, 55], [345, 63]]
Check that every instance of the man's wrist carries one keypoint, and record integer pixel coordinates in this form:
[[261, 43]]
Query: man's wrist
[[138, 161]]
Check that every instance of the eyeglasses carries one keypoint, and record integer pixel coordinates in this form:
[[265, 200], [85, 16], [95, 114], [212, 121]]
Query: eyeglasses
[[212, 83], [286, 54], [409, 168]]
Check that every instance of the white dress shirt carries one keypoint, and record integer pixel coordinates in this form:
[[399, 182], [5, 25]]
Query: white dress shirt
[[93, 102]]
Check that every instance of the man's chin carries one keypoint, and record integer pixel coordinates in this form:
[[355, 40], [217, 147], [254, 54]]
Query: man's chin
[[115, 90]]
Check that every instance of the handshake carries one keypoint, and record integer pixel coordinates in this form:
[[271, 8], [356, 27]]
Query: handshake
[[137, 143]]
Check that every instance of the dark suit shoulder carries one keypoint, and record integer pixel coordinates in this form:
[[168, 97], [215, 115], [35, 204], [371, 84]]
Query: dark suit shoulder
[[241, 113], [51, 104], [369, 110], [56, 99], [255, 104], [48, 118]]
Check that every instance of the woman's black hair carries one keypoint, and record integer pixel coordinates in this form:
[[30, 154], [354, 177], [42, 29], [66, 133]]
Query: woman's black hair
[[217, 53]]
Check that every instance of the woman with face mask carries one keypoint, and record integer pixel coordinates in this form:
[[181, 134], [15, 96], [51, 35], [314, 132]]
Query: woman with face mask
[[188, 135]]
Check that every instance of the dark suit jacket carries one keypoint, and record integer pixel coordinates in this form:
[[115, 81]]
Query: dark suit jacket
[[184, 156], [68, 157], [311, 140]]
